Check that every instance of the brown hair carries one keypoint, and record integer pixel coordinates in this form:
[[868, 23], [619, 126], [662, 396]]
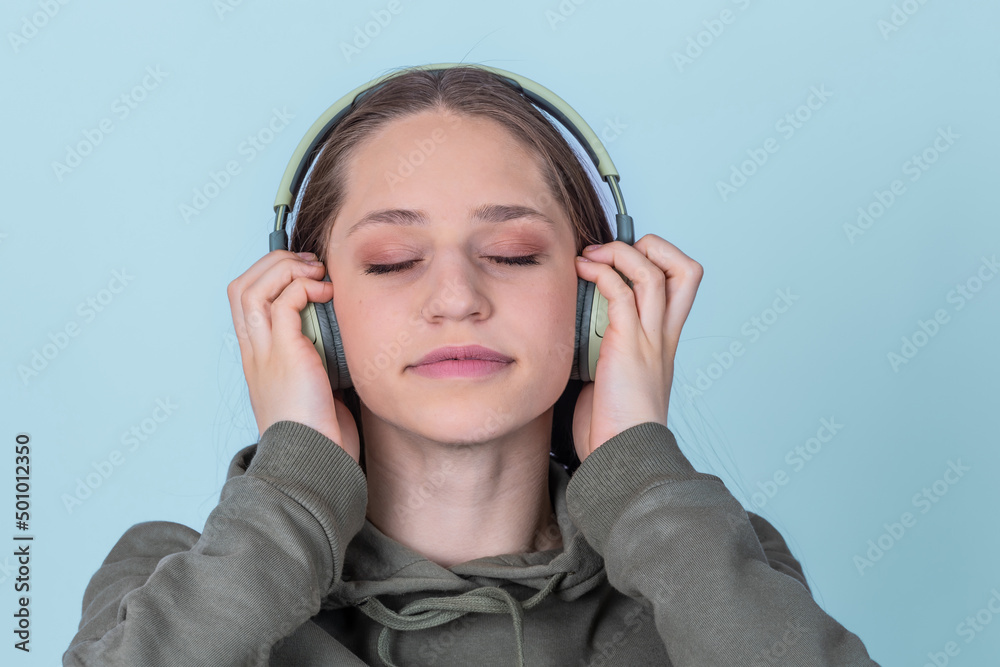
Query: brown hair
[[469, 91]]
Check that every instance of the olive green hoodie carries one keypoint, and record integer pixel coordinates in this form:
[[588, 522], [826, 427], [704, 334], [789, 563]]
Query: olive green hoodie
[[660, 565]]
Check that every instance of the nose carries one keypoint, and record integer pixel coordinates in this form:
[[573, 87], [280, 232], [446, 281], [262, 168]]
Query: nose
[[454, 289]]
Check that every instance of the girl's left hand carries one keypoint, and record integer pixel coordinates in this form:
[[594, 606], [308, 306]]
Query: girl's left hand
[[635, 367]]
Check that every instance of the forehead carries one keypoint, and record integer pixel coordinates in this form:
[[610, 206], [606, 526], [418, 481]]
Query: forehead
[[430, 142], [443, 164]]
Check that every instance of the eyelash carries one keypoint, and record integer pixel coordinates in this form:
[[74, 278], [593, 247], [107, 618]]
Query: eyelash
[[383, 269]]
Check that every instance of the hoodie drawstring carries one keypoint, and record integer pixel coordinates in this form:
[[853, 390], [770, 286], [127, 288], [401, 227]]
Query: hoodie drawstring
[[433, 611]]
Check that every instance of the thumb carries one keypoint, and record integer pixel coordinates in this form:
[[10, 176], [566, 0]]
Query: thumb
[[582, 414]]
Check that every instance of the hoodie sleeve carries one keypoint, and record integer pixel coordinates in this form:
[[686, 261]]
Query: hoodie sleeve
[[724, 587], [270, 551]]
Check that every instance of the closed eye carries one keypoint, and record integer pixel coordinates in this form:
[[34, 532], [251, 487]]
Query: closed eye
[[382, 269]]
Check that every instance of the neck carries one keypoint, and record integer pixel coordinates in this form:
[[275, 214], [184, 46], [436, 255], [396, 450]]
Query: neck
[[454, 503]]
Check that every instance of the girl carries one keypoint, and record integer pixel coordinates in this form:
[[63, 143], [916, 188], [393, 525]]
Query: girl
[[464, 502]]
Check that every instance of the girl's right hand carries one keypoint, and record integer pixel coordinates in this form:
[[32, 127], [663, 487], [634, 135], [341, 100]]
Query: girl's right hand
[[284, 373]]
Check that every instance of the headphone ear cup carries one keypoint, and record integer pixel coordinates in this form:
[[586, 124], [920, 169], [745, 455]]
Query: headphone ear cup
[[336, 362], [320, 326], [585, 337]]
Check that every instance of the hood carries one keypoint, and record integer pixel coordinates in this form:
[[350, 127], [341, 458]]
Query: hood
[[377, 566]]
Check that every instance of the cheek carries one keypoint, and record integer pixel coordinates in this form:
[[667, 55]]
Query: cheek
[[368, 332], [379, 322], [549, 321]]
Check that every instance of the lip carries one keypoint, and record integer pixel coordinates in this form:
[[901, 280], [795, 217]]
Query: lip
[[468, 361], [460, 368], [463, 352]]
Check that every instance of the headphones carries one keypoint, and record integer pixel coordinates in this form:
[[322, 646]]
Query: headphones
[[319, 323]]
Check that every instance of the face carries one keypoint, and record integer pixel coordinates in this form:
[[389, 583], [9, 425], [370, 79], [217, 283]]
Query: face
[[505, 281]]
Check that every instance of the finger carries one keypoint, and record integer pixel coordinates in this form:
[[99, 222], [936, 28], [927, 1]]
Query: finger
[[285, 318], [683, 276], [647, 281], [257, 298], [265, 263], [236, 288], [622, 313]]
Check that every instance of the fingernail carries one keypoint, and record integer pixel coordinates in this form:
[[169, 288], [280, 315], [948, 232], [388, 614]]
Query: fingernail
[[305, 255], [314, 263], [593, 247], [582, 259]]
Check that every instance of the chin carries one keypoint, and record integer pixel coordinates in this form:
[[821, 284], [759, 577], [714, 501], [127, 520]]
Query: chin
[[463, 418]]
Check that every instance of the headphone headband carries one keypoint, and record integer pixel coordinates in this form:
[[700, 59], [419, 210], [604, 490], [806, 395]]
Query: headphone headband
[[538, 94]]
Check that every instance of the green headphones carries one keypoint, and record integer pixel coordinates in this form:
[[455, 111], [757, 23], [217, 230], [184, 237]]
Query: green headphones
[[319, 323]]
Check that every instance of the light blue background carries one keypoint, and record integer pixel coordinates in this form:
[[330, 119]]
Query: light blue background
[[168, 333]]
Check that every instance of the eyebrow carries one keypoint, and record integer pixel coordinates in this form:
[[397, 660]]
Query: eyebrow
[[495, 213]]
